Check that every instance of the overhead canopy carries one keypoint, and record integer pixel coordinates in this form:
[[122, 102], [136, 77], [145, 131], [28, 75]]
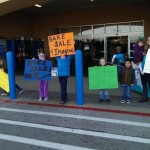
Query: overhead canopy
[[27, 6]]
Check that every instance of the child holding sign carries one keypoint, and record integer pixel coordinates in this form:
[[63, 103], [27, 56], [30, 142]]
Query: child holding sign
[[63, 64], [104, 95], [43, 84]]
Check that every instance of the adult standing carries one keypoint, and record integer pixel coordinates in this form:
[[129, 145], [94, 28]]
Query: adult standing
[[145, 77], [63, 65]]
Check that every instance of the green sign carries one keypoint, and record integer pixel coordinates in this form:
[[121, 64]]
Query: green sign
[[103, 77]]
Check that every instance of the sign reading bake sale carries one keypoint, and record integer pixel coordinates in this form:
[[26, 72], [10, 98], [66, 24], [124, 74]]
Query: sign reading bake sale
[[61, 44], [147, 62]]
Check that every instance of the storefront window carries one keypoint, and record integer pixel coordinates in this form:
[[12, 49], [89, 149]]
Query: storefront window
[[111, 28], [123, 27], [137, 26], [86, 30], [75, 30], [98, 29]]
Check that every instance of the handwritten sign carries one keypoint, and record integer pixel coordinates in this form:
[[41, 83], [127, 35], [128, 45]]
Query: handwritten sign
[[36, 69], [104, 77], [61, 44], [4, 83], [147, 62]]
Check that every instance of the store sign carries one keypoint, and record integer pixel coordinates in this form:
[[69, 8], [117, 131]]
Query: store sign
[[36, 69], [103, 77], [147, 62], [61, 44], [4, 83]]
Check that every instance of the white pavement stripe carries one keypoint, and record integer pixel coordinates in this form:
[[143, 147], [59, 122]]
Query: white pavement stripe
[[40, 143], [78, 117], [78, 131]]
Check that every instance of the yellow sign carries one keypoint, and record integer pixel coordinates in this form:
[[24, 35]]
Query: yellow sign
[[4, 83], [61, 44]]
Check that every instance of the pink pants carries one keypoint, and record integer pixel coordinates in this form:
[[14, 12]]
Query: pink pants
[[43, 88]]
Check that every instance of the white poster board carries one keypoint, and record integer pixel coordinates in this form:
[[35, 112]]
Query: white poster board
[[147, 63], [54, 71]]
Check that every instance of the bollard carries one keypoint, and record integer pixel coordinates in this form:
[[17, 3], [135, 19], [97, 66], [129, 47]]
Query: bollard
[[11, 75], [79, 77]]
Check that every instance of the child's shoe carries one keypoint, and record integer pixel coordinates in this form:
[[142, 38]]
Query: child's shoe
[[21, 91], [122, 101], [46, 98], [107, 100], [4, 94], [101, 100], [128, 101], [40, 99]]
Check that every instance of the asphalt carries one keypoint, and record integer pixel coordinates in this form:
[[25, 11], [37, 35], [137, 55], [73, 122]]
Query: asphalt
[[91, 97]]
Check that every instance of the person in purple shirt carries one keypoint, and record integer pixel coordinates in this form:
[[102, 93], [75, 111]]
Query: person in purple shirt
[[138, 51]]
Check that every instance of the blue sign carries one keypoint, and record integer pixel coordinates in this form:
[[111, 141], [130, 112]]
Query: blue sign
[[36, 69]]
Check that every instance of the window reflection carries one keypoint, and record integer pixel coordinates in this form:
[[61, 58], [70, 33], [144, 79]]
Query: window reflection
[[86, 30], [75, 30], [111, 28], [123, 27], [98, 29], [137, 26]]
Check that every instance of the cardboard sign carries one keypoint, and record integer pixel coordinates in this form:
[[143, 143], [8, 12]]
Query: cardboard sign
[[36, 69], [61, 44], [147, 63], [4, 83], [103, 77]]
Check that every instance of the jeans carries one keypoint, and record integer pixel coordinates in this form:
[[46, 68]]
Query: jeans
[[104, 94], [63, 87], [126, 92]]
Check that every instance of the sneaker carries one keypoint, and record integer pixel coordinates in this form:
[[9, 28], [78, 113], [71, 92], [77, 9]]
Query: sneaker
[[46, 98], [101, 100], [122, 101], [4, 94], [62, 103], [40, 99], [128, 101], [107, 100], [21, 91]]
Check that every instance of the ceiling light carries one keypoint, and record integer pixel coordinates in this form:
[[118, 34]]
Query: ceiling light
[[2, 1], [91, 0], [37, 5]]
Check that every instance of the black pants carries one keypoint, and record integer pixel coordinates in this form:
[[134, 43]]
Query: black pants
[[145, 83], [63, 87]]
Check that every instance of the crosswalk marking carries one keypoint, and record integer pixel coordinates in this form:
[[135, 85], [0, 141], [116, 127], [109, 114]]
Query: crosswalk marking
[[78, 131], [41, 143], [78, 117]]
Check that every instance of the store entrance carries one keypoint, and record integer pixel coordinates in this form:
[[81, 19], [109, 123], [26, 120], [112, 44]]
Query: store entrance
[[113, 42]]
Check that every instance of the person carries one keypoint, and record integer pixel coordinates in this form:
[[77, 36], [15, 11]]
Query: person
[[127, 79], [63, 66], [119, 59], [3, 66], [145, 77], [43, 84], [104, 95], [138, 51]]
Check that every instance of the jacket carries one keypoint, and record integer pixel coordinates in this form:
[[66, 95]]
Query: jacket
[[63, 66], [127, 76], [138, 53]]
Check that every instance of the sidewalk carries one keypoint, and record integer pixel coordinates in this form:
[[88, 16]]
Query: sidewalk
[[91, 97]]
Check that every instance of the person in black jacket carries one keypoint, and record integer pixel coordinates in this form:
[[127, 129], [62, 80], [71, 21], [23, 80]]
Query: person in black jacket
[[127, 79]]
